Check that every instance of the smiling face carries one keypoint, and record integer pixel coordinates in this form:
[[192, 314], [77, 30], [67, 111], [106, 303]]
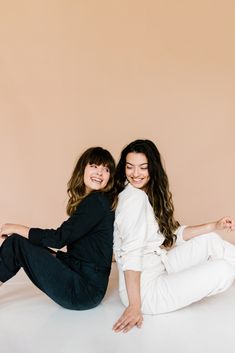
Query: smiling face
[[96, 177], [137, 169]]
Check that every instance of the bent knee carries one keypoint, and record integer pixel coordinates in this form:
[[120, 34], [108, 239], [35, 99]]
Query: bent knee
[[212, 236], [213, 240], [224, 269], [17, 238], [14, 238], [16, 241]]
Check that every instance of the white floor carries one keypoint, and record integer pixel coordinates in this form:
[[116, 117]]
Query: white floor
[[31, 323]]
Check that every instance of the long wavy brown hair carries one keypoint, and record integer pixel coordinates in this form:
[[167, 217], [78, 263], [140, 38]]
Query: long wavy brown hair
[[76, 188], [157, 188]]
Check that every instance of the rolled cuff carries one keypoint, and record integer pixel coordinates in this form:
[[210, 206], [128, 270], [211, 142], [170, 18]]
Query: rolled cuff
[[35, 236], [179, 233], [131, 263]]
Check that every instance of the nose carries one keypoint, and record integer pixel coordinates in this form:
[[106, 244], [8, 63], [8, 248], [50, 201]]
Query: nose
[[136, 171], [100, 170]]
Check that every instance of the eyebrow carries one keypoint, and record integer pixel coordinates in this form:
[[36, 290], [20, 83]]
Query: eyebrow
[[139, 164]]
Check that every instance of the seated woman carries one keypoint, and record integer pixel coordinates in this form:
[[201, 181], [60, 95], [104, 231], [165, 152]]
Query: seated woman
[[76, 279], [154, 275]]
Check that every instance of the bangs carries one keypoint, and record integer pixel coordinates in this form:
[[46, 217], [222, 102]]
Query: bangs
[[100, 156]]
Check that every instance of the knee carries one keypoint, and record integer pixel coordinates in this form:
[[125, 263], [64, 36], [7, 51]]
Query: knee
[[14, 241], [212, 236], [14, 238], [224, 270], [219, 276]]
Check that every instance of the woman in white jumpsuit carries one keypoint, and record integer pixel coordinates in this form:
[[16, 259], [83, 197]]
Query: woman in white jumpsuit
[[162, 266]]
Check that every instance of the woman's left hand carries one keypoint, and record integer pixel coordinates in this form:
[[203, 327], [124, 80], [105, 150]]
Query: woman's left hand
[[131, 317], [225, 223]]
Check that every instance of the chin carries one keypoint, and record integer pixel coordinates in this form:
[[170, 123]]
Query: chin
[[138, 186]]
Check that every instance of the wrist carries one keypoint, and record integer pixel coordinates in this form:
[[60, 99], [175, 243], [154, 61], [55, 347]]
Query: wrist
[[209, 227], [136, 306], [212, 226], [22, 230], [25, 231]]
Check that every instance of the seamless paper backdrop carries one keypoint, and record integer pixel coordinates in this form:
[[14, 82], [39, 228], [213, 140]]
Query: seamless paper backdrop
[[74, 74]]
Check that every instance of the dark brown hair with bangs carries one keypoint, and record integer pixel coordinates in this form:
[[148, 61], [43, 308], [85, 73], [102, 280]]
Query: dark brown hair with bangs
[[76, 187]]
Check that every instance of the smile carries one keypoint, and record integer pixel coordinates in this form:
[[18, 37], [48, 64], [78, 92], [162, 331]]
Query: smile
[[137, 180], [96, 180]]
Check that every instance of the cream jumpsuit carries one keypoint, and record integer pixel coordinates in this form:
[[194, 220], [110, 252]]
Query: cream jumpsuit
[[190, 271]]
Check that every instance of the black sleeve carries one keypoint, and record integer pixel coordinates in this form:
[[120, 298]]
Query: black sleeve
[[88, 213]]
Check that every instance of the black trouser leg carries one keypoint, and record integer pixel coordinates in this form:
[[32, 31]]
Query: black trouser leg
[[65, 286]]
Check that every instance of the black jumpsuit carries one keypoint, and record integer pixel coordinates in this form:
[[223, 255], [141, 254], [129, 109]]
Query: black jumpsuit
[[76, 279]]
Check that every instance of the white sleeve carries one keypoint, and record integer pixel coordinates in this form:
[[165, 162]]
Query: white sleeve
[[132, 225], [179, 233]]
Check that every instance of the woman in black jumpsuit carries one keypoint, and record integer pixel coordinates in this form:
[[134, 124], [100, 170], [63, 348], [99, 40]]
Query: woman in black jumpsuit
[[78, 278]]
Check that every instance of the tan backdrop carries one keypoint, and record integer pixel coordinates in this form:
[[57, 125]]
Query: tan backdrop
[[79, 73]]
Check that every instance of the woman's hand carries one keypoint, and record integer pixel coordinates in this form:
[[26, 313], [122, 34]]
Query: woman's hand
[[225, 223], [9, 228], [131, 317]]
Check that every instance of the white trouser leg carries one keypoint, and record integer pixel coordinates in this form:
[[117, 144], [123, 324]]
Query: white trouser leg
[[198, 250], [201, 267], [177, 290]]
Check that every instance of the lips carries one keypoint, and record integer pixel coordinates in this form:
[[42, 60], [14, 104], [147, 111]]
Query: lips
[[135, 180], [96, 180]]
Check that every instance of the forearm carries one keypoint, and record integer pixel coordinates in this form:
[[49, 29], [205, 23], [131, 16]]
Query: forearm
[[132, 315], [132, 279], [10, 228], [48, 237], [225, 223]]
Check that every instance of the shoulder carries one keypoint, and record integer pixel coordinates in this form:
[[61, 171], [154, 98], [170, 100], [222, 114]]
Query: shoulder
[[131, 208], [132, 193], [132, 198], [97, 199]]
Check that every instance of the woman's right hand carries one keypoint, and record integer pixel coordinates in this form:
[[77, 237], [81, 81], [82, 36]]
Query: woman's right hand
[[225, 223], [131, 317]]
